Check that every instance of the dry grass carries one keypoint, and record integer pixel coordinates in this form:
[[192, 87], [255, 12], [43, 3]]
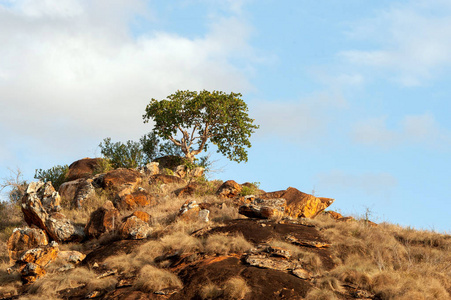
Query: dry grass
[[151, 279], [320, 294], [236, 288], [80, 216], [211, 291], [52, 283], [9, 283], [224, 244]]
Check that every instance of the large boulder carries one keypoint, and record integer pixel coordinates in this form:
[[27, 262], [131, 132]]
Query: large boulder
[[39, 206], [229, 189], [170, 162], [166, 179], [140, 198], [77, 191], [264, 208], [32, 262], [151, 169], [83, 168], [300, 204], [103, 220], [135, 226], [120, 179], [23, 239]]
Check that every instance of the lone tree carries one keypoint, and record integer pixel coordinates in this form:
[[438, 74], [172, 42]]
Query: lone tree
[[190, 119]]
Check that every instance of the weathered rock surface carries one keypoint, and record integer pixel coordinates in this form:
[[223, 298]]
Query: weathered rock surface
[[103, 220], [263, 261], [167, 179], [121, 178], [133, 200], [43, 216], [333, 214], [41, 256], [169, 162], [73, 257], [31, 272], [187, 190], [140, 215], [300, 204], [23, 239], [60, 229], [192, 211], [134, 227], [83, 168], [229, 189], [77, 191], [151, 169], [264, 208]]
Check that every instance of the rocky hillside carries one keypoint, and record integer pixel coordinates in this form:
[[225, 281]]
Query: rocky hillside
[[165, 232]]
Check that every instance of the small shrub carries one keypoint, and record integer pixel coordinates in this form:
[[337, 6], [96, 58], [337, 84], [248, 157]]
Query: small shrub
[[211, 291], [236, 288], [224, 244], [250, 189], [57, 175], [152, 279]]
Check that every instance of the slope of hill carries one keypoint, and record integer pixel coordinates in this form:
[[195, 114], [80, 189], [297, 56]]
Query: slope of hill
[[147, 234]]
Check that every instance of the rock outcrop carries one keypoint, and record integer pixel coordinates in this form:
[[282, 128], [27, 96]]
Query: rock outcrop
[[192, 211], [121, 178], [77, 191], [103, 220], [229, 189], [83, 168], [264, 208], [24, 239], [166, 179], [134, 200], [135, 226], [39, 206], [300, 204]]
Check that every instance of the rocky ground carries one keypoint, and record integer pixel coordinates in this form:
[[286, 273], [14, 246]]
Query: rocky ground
[[168, 233]]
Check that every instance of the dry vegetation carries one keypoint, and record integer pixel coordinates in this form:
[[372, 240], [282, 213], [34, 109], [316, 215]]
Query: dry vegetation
[[389, 261]]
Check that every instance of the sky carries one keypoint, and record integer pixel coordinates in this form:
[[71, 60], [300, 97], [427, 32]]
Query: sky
[[352, 97]]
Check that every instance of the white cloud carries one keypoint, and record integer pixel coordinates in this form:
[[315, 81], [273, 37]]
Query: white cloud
[[72, 72], [375, 184], [421, 130], [414, 41]]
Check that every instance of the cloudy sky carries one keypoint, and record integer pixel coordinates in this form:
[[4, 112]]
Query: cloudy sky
[[353, 97]]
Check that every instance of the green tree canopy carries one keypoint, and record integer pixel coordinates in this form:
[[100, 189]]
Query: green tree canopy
[[191, 119]]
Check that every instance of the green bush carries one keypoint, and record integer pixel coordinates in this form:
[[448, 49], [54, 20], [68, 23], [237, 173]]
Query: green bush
[[57, 175]]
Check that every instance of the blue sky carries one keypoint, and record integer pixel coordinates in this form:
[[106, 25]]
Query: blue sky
[[352, 96]]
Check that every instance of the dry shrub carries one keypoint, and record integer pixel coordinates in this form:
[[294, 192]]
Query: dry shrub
[[151, 279], [402, 285], [181, 242], [224, 244], [9, 283], [236, 288], [352, 276], [320, 294], [49, 285], [329, 282], [211, 291]]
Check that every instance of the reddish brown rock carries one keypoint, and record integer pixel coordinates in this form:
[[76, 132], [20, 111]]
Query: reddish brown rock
[[140, 215], [191, 211], [35, 213], [264, 208], [23, 239], [151, 169], [333, 214], [167, 179], [119, 179], [229, 189], [135, 226], [300, 204], [187, 190], [197, 172], [134, 200], [83, 168], [73, 257], [41, 256], [77, 191], [105, 219], [31, 272]]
